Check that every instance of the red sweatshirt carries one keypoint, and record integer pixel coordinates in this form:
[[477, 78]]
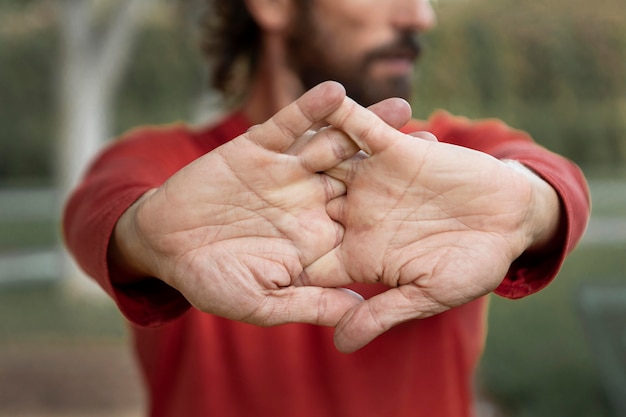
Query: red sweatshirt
[[196, 364]]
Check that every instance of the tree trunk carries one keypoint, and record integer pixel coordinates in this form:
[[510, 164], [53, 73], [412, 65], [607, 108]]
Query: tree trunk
[[93, 62]]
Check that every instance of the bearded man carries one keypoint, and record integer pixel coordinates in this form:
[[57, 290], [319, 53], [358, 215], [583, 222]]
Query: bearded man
[[239, 250]]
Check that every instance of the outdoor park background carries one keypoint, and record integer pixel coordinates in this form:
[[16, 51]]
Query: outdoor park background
[[556, 69]]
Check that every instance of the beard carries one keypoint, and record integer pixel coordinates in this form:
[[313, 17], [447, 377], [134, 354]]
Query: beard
[[308, 55]]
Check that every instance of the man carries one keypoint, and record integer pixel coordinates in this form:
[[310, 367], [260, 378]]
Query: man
[[262, 218]]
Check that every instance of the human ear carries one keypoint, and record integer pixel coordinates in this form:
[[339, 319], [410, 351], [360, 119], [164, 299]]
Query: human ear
[[271, 15]]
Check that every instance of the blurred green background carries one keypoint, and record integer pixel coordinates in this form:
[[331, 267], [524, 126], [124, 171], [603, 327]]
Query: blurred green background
[[556, 69]]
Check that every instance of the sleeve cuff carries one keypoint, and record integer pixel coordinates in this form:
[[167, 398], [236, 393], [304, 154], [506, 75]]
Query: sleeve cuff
[[144, 302]]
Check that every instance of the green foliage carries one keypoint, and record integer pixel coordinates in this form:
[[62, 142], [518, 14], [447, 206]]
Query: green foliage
[[27, 119], [164, 80], [555, 69]]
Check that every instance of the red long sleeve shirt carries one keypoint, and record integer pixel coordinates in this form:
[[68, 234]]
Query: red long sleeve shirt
[[196, 364]]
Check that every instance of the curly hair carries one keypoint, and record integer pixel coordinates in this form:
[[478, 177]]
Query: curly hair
[[230, 39]]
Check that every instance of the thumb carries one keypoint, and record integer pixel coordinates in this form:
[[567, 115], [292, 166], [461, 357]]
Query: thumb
[[367, 320], [312, 305]]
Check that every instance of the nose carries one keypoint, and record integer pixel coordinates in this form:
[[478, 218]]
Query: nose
[[414, 15]]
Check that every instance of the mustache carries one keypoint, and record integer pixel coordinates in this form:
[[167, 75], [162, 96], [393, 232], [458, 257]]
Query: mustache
[[406, 45]]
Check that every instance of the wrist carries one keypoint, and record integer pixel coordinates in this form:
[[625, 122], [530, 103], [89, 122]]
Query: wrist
[[127, 252], [544, 214]]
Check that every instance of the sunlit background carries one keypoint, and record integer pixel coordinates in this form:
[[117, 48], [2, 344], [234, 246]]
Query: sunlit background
[[76, 73]]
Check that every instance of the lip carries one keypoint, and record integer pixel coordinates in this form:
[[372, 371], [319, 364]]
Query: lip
[[396, 58], [395, 64], [399, 51], [401, 58]]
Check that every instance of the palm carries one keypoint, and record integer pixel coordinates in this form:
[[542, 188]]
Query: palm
[[253, 230], [424, 217]]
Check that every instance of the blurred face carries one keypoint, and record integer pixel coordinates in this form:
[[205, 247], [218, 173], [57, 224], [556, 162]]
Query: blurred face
[[370, 46]]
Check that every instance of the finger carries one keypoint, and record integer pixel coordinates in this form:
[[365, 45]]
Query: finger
[[298, 145], [326, 238], [330, 145], [326, 148], [336, 208], [313, 305], [344, 171], [327, 271], [396, 112], [334, 188], [425, 135], [364, 127], [370, 319], [279, 132]]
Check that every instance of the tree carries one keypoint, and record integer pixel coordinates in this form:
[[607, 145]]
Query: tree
[[97, 39]]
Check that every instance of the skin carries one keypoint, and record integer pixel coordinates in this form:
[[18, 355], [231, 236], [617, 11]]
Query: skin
[[410, 212]]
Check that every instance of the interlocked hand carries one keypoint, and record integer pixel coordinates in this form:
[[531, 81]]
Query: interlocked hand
[[232, 230]]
